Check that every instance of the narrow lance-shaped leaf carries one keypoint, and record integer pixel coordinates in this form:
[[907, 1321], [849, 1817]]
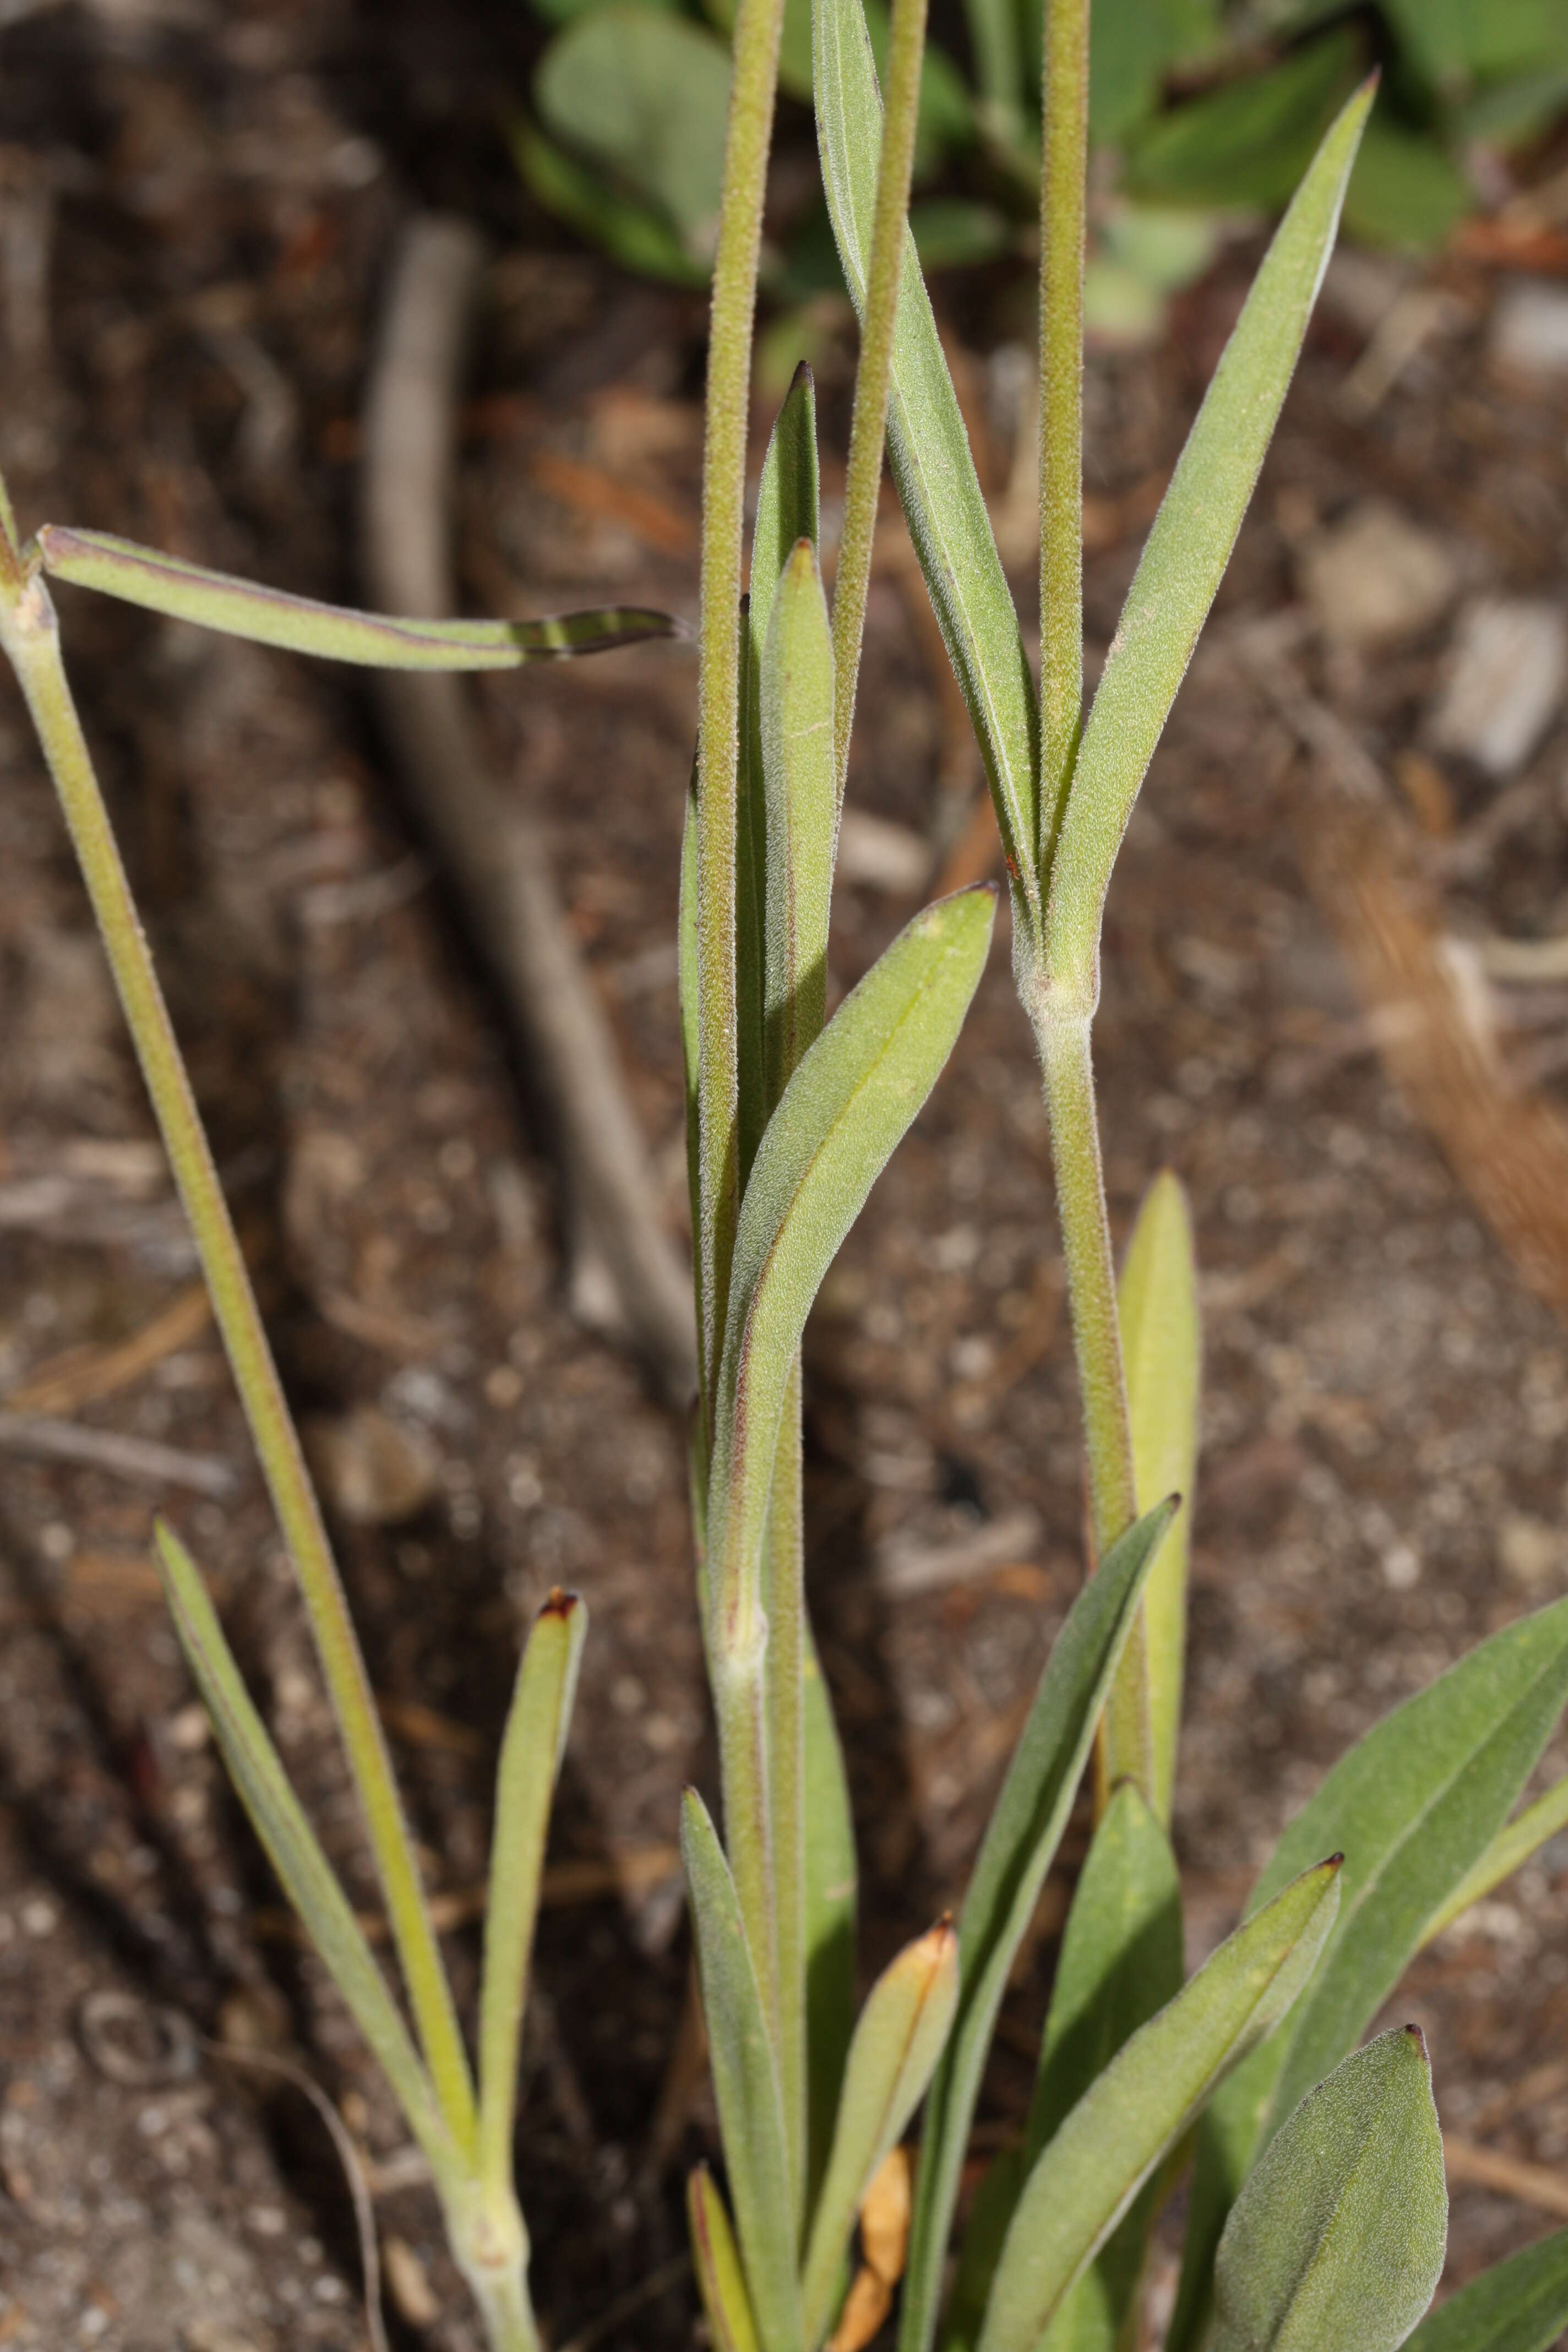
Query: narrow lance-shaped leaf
[[927, 448], [717, 2261], [787, 512], [1338, 2237], [847, 1108], [269, 616], [830, 1902], [530, 1754], [1020, 1843], [1413, 1806], [1508, 1851], [690, 1052], [1162, 1347], [800, 787], [291, 1845], [1121, 1962], [897, 2043], [1138, 2108], [1185, 557], [745, 2085], [788, 499], [1520, 2305]]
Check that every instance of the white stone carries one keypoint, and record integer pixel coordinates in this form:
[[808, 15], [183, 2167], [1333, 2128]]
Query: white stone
[[1375, 579], [1508, 670], [1529, 330]]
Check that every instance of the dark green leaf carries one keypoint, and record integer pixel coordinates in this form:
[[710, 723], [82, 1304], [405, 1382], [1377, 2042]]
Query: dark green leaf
[[1412, 1806], [1020, 1843], [1520, 2305], [745, 2085], [830, 1891], [1337, 2239], [1248, 142], [1137, 2107]]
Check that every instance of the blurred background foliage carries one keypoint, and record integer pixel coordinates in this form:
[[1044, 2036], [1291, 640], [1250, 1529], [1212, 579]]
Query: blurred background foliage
[[1203, 115]]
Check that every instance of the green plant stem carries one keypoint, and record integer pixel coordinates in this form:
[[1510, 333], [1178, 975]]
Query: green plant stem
[[29, 636], [1066, 1064], [490, 2243], [873, 377], [737, 1670], [1062, 180], [747, 141]]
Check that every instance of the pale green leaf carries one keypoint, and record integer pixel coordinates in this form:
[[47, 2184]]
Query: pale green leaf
[[690, 1059], [830, 1894], [645, 95], [1141, 2103], [1413, 1806], [1020, 1843], [897, 2043], [788, 499], [1162, 1347], [745, 2085], [1185, 557], [1121, 1961], [268, 616], [927, 448], [842, 1114], [1338, 2238], [716, 2259], [531, 1748], [1508, 1851], [1520, 2305], [293, 1848], [800, 787]]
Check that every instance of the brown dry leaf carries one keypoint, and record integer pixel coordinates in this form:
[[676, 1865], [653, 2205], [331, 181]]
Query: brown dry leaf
[[885, 2217], [866, 2307], [1507, 1146], [80, 1375]]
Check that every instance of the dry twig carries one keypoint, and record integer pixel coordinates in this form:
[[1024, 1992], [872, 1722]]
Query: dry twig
[[492, 851]]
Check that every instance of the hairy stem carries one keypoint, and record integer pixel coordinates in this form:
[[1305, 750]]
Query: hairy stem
[[784, 1599], [747, 141], [1066, 1062], [1062, 177], [29, 636], [869, 425]]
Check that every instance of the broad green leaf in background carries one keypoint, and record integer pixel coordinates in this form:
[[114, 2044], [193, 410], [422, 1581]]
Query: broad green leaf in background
[[745, 2085], [640, 239], [531, 1750], [841, 1117], [1133, 43], [293, 1848], [800, 788], [1141, 2103], [645, 96], [1412, 1806], [1162, 1350], [1121, 1961], [1520, 2305], [830, 1902], [1020, 1843], [897, 2043], [1405, 192], [1185, 558], [1337, 2239], [1249, 141], [271, 616], [720, 2279], [929, 450], [958, 232]]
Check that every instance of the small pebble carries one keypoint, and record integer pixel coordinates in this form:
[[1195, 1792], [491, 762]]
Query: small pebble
[[1376, 580], [377, 1470], [1508, 668], [1530, 330]]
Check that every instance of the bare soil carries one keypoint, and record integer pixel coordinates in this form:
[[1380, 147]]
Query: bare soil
[[196, 208]]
